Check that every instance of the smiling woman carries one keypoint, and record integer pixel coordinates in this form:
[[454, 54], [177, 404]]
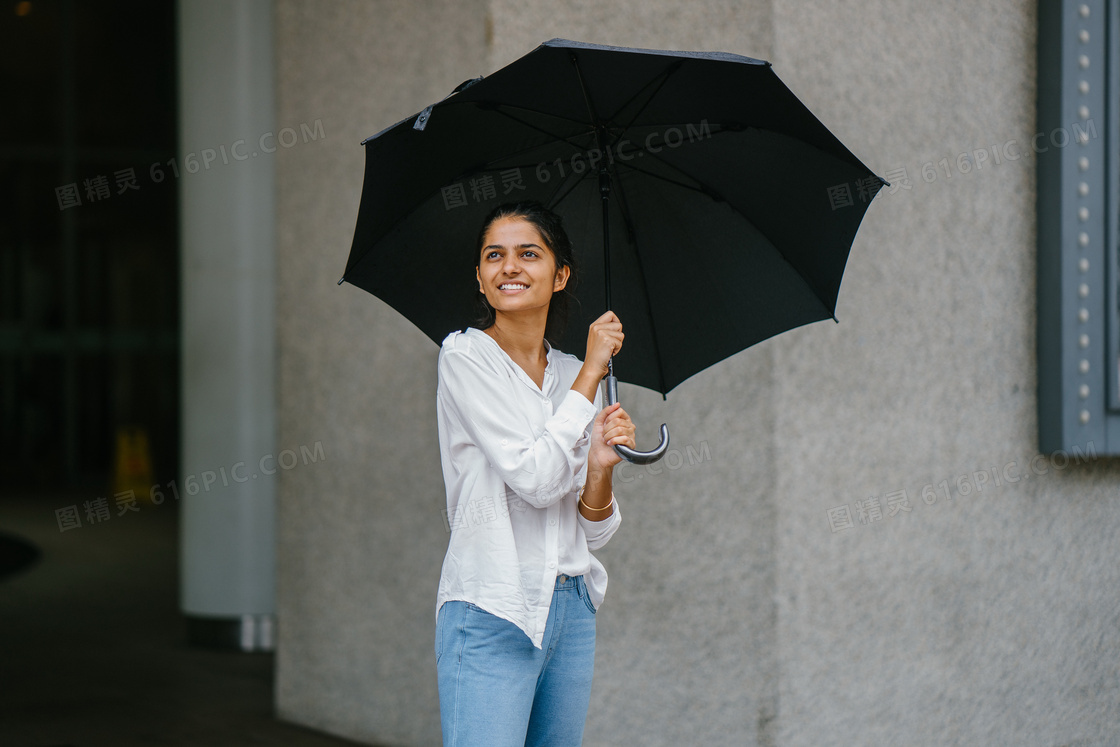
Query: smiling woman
[[517, 271], [543, 233], [527, 455]]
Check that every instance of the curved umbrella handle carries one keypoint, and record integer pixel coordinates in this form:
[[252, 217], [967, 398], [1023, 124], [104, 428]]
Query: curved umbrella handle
[[636, 457]]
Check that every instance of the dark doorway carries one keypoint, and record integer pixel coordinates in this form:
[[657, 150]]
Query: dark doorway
[[89, 282]]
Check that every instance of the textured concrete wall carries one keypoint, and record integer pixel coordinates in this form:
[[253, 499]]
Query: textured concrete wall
[[989, 618], [360, 532], [735, 614]]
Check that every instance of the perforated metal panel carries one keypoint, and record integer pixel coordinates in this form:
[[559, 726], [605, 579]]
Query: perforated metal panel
[[1078, 251]]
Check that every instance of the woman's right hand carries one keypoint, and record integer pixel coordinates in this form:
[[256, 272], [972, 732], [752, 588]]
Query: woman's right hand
[[604, 339]]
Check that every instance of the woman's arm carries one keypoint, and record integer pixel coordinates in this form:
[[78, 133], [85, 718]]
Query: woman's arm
[[612, 426], [540, 470]]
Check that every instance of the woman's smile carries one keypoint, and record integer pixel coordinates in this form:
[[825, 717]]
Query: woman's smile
[[517, 271]]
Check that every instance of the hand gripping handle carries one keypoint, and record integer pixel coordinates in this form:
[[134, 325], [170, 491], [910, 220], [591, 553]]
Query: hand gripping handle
[[630, 455]]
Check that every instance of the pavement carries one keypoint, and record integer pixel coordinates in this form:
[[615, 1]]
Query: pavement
[[92, 642]]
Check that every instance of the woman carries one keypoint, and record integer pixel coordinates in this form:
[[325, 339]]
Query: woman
[[527, 464]]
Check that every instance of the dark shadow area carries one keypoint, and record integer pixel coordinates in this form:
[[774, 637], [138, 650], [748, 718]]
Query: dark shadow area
[[89, 278], [16, 554], [93, 647], [93, 644]]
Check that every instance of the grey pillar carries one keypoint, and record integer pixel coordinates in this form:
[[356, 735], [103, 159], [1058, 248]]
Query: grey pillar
[[225, 172]]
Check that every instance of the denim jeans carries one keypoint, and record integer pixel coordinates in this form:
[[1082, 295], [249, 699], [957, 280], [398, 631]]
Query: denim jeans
[[496, 689]]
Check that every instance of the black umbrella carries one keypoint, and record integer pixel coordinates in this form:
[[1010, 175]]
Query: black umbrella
[[708, 207]]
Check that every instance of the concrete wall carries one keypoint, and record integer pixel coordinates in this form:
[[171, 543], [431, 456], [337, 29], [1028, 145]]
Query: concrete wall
[[735, 614], [984, 619], [359, 532]]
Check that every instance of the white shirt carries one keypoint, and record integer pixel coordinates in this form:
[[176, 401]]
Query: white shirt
[[514, 458]]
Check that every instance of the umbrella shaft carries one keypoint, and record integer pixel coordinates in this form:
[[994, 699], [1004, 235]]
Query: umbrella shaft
[[605, 197], [612, 390]]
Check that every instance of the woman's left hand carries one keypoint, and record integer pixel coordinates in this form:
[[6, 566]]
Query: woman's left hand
[[612, 427]]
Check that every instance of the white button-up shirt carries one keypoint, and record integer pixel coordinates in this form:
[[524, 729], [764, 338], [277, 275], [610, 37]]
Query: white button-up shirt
[[514, 458]]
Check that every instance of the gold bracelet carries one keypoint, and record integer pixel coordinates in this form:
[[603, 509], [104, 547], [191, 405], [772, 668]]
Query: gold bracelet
[[589, 508]]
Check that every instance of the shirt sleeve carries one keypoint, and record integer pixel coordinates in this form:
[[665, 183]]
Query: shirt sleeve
[[541, 469], [598, 533]]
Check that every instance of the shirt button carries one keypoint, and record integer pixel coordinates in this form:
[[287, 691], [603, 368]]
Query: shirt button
[[552, 522], [505, 441], [552, 564]]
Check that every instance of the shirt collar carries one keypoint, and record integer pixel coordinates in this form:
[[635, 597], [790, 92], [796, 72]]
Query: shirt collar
[[548, 367]]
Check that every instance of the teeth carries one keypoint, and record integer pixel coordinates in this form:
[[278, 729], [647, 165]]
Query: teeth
[[512, 286]]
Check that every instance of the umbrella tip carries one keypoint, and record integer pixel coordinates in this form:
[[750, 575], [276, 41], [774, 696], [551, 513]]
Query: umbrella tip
[[341, 279]]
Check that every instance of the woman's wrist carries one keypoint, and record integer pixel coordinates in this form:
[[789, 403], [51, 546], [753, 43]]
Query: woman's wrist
[[598, 477], [587, 382], [596, 509], [596, 498]]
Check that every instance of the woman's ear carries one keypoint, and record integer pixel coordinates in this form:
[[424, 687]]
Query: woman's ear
[[562, 276]]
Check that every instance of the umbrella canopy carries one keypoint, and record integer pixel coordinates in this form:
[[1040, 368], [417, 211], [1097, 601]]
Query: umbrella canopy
[[730, 208]]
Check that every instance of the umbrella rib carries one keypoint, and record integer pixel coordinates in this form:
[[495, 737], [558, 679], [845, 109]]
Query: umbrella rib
[[506, 157], [624, 208], [653, 155], [657, 82], [701, 188], [499, 109], [489, 165], [496, 105], [664, 76], [720, 198], [564, 189], [722, 130], [502, 109]]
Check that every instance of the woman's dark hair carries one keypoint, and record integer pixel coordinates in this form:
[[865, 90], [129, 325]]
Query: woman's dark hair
[[551, 228]]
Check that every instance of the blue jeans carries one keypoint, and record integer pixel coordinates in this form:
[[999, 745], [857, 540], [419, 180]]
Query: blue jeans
[[496, 689]]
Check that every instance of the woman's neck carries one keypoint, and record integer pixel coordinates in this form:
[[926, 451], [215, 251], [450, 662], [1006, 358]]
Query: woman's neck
[[523, 340]]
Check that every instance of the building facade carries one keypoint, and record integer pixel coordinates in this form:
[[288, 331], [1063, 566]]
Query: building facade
[[856, 538]]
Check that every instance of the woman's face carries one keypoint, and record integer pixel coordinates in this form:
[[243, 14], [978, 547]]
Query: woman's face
[[516, 269]]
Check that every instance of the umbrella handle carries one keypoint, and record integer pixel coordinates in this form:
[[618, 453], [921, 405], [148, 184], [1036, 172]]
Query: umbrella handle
[[630, 455]]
